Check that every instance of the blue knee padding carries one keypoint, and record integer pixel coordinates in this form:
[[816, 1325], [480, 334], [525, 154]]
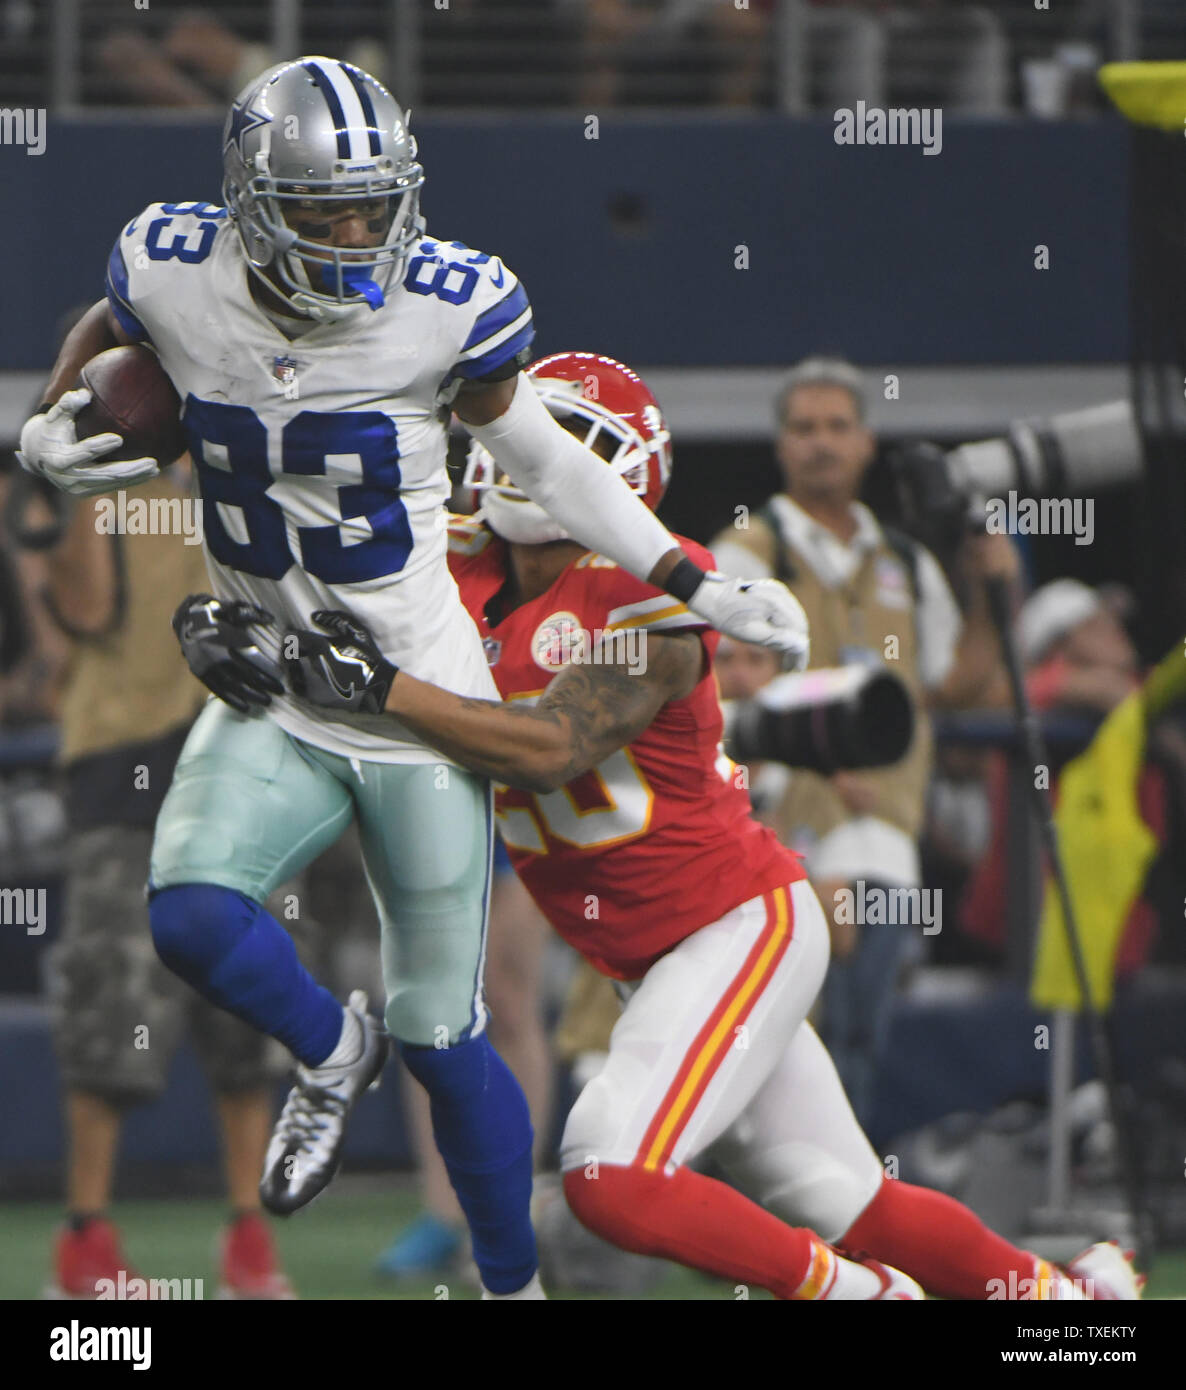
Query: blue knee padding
[[483, 1131], [238, 956]]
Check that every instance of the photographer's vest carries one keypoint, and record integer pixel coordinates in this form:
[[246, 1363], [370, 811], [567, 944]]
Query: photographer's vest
[[130, 684], [851, 622]]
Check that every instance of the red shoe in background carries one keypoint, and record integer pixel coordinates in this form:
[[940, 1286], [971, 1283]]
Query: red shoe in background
[[83, 1258], [249, 1267]]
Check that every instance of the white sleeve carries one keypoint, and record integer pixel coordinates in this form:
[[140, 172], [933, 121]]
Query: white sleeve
[[574, 486], [938, 621]]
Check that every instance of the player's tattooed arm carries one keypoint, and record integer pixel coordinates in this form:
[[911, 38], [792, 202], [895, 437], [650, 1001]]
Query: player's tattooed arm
[[608, 706], [588, 712]]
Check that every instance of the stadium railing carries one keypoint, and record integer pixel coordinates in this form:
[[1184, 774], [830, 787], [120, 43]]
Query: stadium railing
[[790, 55]]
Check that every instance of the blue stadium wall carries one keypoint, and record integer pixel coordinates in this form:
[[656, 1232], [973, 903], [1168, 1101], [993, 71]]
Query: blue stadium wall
[[627, 243]]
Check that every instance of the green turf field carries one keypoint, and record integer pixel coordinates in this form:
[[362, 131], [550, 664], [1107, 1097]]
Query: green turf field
[[327, 1249]]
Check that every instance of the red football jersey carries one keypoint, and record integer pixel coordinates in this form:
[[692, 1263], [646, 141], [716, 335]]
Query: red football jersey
[[657, 841]]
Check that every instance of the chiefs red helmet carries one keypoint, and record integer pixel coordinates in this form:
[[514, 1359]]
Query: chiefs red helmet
[[609, 408]]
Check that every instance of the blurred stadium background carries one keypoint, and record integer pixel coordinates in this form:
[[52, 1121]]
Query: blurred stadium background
[[713, 134]]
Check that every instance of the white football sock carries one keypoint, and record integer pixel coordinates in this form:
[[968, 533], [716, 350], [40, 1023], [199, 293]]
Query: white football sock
[[853, 1281], [1052, 1282], [832, 1277], [349, 1048]]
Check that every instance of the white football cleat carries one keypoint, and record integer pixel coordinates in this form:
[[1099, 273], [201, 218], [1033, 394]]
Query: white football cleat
[[1106, 1272], [894, 1284], [306, 1145], [532, 1291]]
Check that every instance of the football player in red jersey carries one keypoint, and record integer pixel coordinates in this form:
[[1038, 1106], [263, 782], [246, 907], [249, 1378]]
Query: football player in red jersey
[[623, 817]]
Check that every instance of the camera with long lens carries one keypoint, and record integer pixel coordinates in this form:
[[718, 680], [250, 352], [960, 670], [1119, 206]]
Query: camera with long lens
[[943, 493], [828, 720]]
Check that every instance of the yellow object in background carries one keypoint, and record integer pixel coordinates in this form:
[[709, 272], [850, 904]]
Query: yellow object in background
[[1151, 94], [1106, 846]]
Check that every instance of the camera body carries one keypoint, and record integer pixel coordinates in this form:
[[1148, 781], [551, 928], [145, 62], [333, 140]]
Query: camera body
[[943, 493]]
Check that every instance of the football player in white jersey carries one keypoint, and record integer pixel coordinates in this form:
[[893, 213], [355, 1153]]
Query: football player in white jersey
[[318, 338]]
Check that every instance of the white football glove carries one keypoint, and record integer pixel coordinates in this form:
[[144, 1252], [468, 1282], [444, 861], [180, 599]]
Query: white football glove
[[50, 448], [761, 611]]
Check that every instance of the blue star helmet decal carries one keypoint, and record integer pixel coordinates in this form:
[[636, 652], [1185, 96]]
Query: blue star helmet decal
[[243, 120]]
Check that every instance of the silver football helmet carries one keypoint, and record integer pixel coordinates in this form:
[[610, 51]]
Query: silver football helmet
[[308, 136]]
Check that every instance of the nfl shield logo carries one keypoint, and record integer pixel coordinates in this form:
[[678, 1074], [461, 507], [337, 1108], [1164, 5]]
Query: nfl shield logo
[[493, 649], [284, 369]]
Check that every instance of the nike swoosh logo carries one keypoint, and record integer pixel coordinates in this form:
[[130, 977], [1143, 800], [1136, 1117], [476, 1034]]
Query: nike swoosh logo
[[498, 282], [346, 692]]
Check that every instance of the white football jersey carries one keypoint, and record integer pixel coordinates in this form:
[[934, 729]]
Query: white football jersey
[[321, 459]]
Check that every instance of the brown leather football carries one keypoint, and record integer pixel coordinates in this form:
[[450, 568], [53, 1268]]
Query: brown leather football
[[132, 397]]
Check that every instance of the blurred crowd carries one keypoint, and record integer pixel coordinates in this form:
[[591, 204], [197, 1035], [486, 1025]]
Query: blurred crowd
[[794, 54]]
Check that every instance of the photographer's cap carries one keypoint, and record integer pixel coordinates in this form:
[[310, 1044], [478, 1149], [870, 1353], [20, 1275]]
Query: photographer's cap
[[1053, 611]]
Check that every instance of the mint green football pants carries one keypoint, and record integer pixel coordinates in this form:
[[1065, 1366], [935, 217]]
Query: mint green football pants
[[250, 806]]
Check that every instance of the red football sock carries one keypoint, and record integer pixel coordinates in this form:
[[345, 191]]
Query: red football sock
[[939, 1242], [695, 1220]]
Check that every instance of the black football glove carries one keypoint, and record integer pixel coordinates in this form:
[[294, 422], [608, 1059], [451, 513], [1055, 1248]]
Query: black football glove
[[345, 671], [217, 642]]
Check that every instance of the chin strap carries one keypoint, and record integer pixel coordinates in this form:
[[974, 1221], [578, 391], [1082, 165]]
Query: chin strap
[[355, 278], [316, 309], [521, 523]]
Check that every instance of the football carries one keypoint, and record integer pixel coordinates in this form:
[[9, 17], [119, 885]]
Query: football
[[132, 396]]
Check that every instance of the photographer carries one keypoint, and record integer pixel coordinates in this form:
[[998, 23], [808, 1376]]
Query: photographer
[[873, 596], [127, 704]]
